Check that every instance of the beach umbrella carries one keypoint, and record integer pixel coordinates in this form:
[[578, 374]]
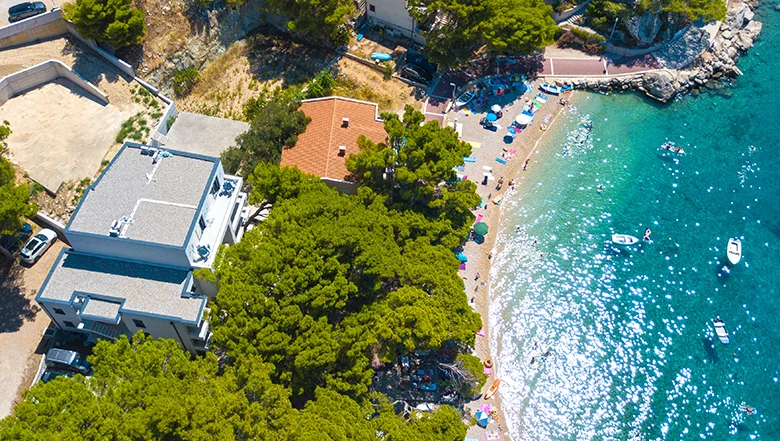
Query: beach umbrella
[[491, 117], [462, 257], [483, 418], [495, 108], [481, 228], [524, 119]]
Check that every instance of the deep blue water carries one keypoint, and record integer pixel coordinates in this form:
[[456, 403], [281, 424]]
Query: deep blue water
[[632, 350]]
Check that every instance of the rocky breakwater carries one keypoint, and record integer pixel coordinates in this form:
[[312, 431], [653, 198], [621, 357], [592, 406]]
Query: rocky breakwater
[[702, 68]]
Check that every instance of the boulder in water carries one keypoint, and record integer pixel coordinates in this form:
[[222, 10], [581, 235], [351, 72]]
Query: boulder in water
[[660, 85]]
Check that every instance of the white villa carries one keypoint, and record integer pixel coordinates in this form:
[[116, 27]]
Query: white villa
[[151, 218]]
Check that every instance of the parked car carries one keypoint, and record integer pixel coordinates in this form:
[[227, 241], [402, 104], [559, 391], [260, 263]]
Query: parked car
[[416, 74], [69, 360], [50, 374], [38, 245], [25, 10]]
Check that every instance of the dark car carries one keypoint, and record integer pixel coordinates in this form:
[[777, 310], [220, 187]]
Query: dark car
[[416, 73], [25, 10]]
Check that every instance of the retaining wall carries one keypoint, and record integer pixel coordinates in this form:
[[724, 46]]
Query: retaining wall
[[48, 71], [41, 27]]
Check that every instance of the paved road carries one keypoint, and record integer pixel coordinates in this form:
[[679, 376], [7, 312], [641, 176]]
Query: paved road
[[5, 4]]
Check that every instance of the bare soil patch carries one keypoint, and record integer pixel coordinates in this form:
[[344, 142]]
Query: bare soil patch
[[250, 68]]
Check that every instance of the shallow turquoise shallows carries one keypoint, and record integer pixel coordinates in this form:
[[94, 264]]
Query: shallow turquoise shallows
[[596, 341]]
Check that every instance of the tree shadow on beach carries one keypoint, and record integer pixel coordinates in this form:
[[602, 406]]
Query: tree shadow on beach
[[16, 307]]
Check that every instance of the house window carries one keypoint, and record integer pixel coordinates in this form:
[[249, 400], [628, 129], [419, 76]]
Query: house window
[[372, 8], [139, 323], [215, 186], [59, 311], [202, 223], [69, 324]]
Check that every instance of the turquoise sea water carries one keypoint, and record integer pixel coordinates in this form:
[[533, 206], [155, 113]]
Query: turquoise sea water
[[632, 350]]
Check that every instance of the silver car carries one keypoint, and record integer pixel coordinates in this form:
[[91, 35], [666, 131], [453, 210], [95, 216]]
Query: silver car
[[38, 245]]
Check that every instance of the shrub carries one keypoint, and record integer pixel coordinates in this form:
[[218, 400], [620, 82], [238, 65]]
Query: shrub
[[593, 48], [566, 40], [184, 80], [110, 21], [321, 85], [585, 36]]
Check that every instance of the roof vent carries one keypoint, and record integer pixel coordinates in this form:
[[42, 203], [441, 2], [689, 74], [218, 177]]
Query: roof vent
[[342, 150], [345, 122]]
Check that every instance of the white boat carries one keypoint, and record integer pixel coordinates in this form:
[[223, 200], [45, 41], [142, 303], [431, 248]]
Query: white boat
[[549, 88], [734, 250], [624, 239], [465, 97], [721, 331]]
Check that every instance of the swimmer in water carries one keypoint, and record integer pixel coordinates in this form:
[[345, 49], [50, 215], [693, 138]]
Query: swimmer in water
[[747, 409], [600, 188], [647, 234]]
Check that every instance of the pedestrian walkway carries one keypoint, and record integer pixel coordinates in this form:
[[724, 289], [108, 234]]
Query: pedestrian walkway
[[603, 67]]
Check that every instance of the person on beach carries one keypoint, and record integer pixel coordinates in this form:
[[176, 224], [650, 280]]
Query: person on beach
[[525, 164], [476, 276]]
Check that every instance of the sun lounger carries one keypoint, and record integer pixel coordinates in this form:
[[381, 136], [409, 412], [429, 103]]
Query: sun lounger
[[469, 159]]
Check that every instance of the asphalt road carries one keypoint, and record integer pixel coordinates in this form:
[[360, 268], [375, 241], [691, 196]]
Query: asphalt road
[[5, 4]]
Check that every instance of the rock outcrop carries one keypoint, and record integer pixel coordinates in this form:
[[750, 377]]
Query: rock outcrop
[[643, 28], [687, 65]]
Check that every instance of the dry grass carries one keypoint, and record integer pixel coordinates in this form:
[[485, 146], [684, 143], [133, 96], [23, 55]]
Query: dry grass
[[250, 68], [167, 29], [364, 83]]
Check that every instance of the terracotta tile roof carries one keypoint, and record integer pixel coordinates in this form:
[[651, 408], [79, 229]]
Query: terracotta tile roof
[[317, 149]]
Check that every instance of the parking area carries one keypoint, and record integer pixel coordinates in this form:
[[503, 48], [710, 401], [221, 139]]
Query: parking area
[[5, 4], [22, 323]]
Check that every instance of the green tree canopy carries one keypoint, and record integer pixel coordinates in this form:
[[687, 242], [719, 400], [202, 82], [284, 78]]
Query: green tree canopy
[[276, 124], [329, 281], [694, 10], [415, 170], [152, 390], [15, 202], [111, 21], [321, 19], [503, 26]]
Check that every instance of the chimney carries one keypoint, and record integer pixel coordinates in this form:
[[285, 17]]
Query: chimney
[[342, 150], [345, 122]]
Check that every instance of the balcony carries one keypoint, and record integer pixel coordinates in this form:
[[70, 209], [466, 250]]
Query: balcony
[[199, 333], [218, 220]]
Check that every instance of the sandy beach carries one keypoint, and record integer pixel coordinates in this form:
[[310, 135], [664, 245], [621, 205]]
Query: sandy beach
[[487, 146]]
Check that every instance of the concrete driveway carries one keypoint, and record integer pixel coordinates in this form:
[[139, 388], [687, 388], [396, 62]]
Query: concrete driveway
[[22, 323], [5, 4]]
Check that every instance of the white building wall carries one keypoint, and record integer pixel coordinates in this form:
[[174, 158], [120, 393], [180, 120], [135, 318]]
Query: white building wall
[[126, 249], [391, 13], [71, 314]]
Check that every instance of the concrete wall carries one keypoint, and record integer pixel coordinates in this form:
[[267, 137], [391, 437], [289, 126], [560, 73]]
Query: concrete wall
[[48, 71], [127, 249], [41, 27]]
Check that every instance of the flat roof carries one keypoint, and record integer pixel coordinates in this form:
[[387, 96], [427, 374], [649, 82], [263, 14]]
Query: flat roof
[[158, 197], [204, 135], [109, 283]]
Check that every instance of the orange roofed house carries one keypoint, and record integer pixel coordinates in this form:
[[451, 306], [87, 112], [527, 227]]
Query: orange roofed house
[[331, 136]]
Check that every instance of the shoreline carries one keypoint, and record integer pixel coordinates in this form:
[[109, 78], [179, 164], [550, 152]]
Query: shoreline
[[479, 262]]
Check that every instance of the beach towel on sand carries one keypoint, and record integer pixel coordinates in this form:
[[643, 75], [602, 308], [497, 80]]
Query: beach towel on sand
[[469, 159]]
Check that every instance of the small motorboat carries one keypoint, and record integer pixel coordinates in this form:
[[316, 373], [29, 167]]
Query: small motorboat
[[381, 56], [734, 250], [465, 97], [721, 331], [492, 389], [624, 239], [673, 148], [549, 88]]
